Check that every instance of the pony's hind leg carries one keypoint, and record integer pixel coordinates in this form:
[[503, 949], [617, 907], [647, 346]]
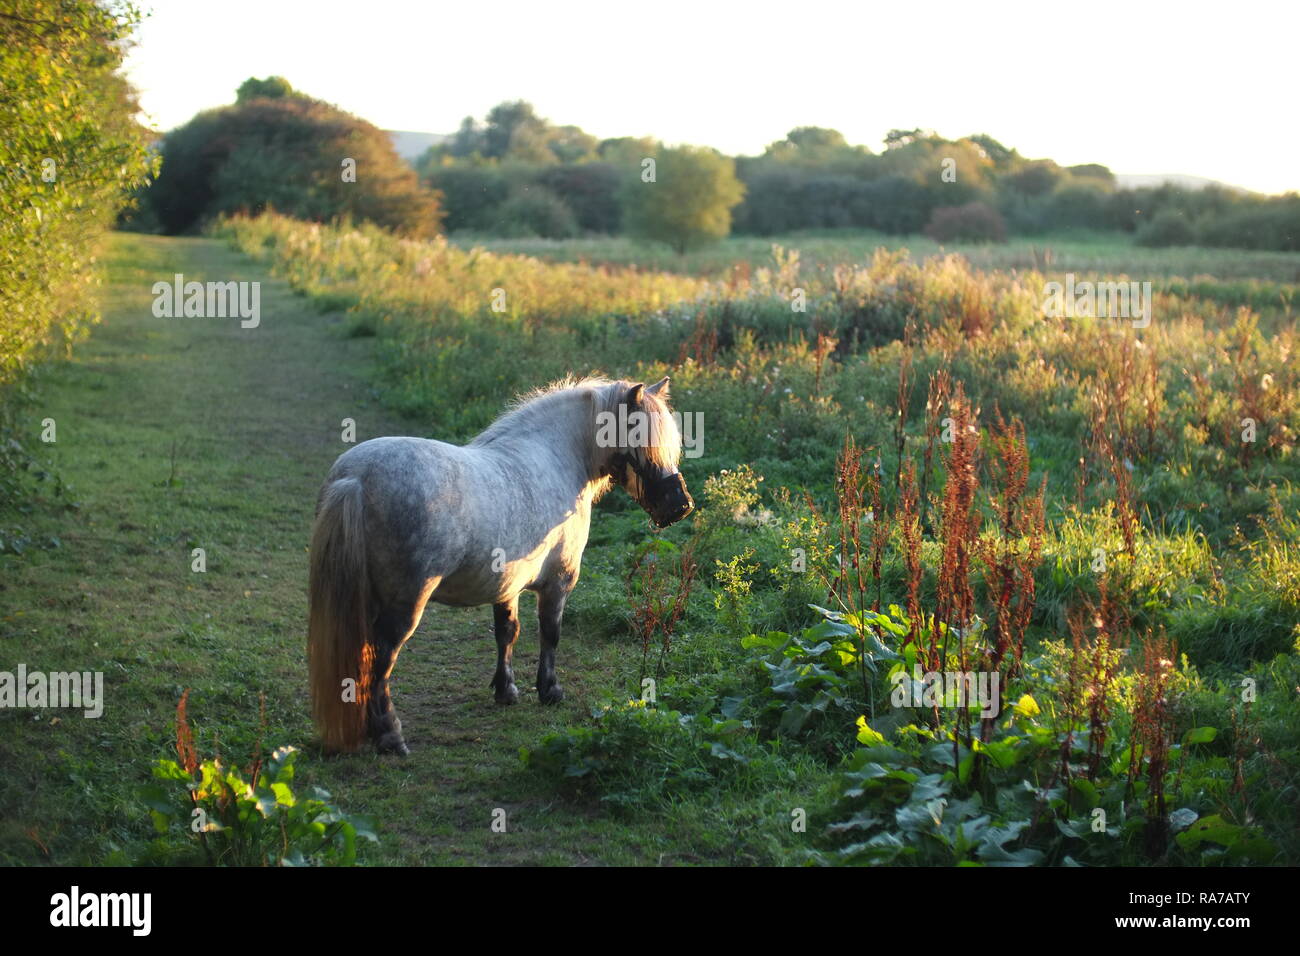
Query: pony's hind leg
[[392, 629], [505, 620]]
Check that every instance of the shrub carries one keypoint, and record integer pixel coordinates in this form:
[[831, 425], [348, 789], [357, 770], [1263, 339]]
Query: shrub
[[251, 817], [287, 153], [894, 204], [271, 88], [1035, 178], [636, 754], [1082, 207], [973, 222], [590, 190], [689, 202], [1271, 224], [70, 155], [535, 211], [471, 194], [784, 199], [1168, 227]]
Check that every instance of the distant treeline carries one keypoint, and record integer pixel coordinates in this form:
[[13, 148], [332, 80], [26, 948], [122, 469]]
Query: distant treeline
[[517, 174]]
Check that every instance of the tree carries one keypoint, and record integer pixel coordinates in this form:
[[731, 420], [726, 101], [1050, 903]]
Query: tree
[[271, 88], [71, 153], [1002, 157], [902, 137], [927, 160], [972, 222], [1168, 227], [819, 149], [1081, 206], [897, 204], [470, 193], [814, 137], [571, 144], [627, 151], [1093, 171], [466, 141], [535, 211], [806, 144], [291, 153], [590, 190], [688, 203], [1036, 178], [510, 126]]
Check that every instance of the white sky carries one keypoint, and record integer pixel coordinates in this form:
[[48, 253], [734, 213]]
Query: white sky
[[1192, 87]]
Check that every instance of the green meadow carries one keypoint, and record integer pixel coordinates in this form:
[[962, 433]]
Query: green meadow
[[916, 471]]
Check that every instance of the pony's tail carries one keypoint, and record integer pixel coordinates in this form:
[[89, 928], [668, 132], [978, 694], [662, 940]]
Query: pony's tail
[[339, 646]]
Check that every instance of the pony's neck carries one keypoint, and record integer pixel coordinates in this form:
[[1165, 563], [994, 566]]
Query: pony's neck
[[562, 426], [575, 421]]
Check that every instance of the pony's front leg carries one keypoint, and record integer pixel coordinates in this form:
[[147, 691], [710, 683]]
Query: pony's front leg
[[550, 608], [505, 620]]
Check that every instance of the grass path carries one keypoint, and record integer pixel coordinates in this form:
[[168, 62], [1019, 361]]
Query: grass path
[[177, 434]]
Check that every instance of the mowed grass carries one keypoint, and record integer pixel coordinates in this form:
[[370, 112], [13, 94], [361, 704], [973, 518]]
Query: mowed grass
[[1106, 253], [176, 434]]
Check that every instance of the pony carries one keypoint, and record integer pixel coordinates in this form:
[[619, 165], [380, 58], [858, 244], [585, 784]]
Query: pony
[[404, 521]]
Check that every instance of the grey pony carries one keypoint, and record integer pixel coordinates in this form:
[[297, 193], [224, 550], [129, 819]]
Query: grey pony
[[404, 521]]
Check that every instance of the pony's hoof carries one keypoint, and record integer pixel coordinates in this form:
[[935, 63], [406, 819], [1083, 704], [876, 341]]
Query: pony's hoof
[[551, 695], [392, 743], [508, 696]]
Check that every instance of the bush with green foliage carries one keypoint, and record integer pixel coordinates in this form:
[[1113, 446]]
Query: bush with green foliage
[[1168, 227], [688, 202], [1110, 768], [1080, 206], [232, 820], [973, 222], [897, 204], [71, 153], [229, 817], [471, 194], [590, 190], [287, 153], [271, 88], [783, 199], [1265, 224], [535, 211]]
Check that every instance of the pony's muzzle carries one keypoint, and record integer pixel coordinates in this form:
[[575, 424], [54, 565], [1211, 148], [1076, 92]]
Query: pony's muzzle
[[671, 501]]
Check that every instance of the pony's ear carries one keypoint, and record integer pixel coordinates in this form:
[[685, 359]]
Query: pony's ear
[[634, 394], [659, 388]]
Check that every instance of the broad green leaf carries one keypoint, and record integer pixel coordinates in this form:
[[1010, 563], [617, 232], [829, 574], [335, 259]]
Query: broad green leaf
[[1027, 707], [1213, 829], [868, 736]]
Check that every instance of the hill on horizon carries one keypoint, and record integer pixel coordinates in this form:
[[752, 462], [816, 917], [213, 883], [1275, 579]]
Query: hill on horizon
[[1140, 180], [411, 145]]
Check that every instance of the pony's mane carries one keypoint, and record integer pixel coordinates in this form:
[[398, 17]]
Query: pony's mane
[[535, 410]]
